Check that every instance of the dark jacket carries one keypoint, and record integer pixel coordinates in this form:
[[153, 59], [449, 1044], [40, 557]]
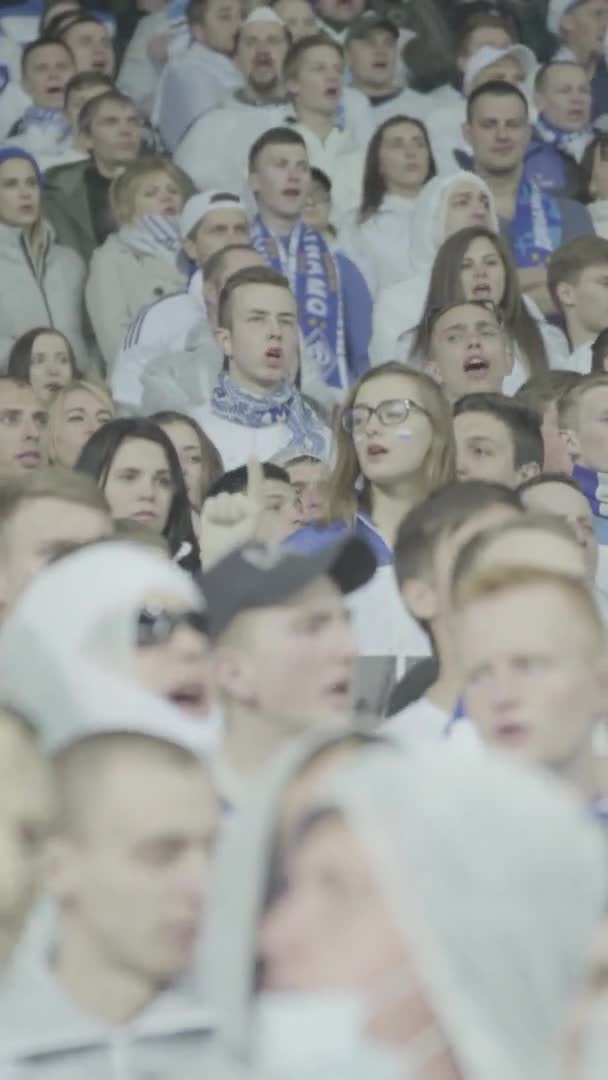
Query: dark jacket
[[66, 205]]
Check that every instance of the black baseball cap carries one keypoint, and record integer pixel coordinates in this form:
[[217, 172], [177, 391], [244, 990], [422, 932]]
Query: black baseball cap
[[263, 575], [365, 24]]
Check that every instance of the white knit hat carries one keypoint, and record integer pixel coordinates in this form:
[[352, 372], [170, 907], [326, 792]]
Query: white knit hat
[[557, 10], [487, 55]]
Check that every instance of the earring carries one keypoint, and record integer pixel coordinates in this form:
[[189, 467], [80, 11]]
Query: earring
[[360, 483]]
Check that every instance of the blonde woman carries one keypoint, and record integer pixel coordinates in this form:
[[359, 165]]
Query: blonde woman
[[395, 446], [76, 413], [139, 263]]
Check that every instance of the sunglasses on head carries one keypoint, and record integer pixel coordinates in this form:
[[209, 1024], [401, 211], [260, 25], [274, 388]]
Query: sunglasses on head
[[156, 626]]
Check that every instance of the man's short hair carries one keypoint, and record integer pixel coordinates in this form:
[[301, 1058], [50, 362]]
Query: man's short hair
[[86, 80], [549, 478], [291, 67], [52, 482], [441, 514], [523, 425], [196, 12], [250, 275], [277, 136], [495, 88], [496, 580], [81, 768], [235, 481], [569, 404], [215, 266], [42, 43], [90, 109], [467, 559], [544, 69], [539, 391], [568, 262]]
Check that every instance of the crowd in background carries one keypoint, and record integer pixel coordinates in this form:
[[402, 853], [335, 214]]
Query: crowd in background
[[304, 540]]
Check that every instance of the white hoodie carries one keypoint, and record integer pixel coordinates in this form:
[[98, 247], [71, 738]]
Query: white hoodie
[[400, 306]]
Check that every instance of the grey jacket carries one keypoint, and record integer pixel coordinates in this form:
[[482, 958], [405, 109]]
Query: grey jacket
[[44, 291], [45, 1036]]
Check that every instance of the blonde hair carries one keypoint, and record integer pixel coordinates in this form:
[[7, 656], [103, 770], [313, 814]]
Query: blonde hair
[[438, 467], [496, 580], [124, 187], [466, 565], [568, 404], [96, 390]]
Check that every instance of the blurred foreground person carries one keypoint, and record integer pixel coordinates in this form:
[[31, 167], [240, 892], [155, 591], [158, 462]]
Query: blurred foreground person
[[283, 648], [104, 997], [533, 653], [404, 933], [114, 631], [26, 816]]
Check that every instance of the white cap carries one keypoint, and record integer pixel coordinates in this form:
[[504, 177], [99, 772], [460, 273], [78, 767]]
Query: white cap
[[489, 55], [557, 10], [199, 206], [263, 14]]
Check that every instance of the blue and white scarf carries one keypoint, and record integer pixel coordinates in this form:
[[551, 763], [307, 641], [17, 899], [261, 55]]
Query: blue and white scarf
[[153, 234], [537, 228], [314, 277], [283, 405], [595, 488], [52, 120], [573, 143]]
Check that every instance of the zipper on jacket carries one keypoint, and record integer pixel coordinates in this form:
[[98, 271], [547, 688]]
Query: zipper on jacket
[[38, 280]]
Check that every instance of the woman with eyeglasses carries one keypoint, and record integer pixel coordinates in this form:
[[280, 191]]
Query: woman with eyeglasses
[[394, 446], [136, 465], [475, 265], [115, 632]]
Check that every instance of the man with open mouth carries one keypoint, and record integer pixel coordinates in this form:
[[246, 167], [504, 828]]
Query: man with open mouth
[[468, 350]]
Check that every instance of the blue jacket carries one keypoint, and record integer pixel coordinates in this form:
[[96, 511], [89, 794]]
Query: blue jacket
[[358, 306], [313, 538]]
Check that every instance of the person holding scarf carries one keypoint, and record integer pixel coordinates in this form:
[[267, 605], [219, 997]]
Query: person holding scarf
[[534, 222], [46, 68], [334, 303], [139, 263], [255, 407]]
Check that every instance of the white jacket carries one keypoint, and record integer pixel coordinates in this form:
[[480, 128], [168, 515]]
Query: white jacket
[[121, 281], [380, 245], [47, 291], [160, 328], [139, 76], [233, 127], [398, 307], [190, 85]]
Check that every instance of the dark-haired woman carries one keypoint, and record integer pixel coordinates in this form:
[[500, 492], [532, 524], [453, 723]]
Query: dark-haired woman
[[136, 465], [398, 164]]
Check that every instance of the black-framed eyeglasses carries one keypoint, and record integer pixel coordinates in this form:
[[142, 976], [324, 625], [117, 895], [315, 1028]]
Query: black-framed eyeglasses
[[390, 413], [156, 626]]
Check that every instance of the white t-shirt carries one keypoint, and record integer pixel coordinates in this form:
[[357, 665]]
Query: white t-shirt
[[419, 721]]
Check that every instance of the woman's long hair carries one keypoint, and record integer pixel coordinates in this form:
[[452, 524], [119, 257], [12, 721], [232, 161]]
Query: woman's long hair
[[438, 467], [212, 461], [20, 356], [99, 452], [445, 289], [374, 184]]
